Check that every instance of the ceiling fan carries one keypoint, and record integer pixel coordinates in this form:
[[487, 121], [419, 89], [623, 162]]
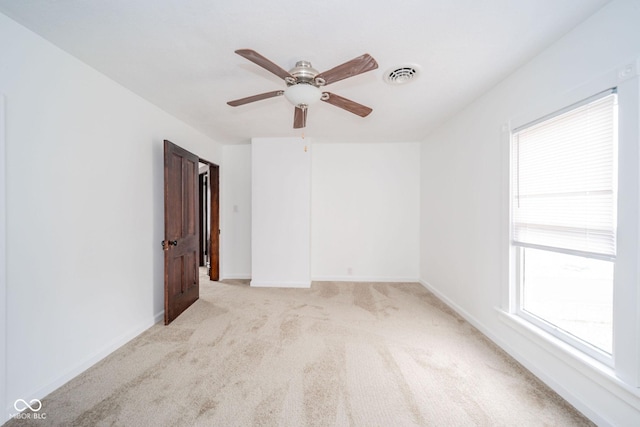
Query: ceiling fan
[[304, 84]]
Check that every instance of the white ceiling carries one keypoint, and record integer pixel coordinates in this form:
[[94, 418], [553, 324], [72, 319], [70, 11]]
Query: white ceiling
[[179, 55]]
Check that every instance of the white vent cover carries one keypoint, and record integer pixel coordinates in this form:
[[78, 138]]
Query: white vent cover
[[402, 74]]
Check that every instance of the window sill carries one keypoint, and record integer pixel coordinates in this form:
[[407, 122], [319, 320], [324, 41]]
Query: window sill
[[596, 371]]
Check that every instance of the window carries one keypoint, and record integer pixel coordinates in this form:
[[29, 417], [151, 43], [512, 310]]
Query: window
[[564, 222]]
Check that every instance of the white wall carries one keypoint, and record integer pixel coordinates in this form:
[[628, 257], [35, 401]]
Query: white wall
[[365, 212], [464, 205], [281, 216], [365, 205], [84, 212], [236, 212]]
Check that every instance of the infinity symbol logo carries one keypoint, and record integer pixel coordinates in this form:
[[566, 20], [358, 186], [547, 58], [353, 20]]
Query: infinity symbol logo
[[35, 405]]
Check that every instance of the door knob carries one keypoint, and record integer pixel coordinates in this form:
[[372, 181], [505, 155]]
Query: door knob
[[168, 243]]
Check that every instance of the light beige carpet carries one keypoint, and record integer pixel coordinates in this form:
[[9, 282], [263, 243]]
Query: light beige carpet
[[339, 354]]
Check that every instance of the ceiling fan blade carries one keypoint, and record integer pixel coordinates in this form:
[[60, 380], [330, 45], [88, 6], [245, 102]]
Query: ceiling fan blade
[[254, 98], [346, 104], [299, 118], [260, 60], [356, 66]]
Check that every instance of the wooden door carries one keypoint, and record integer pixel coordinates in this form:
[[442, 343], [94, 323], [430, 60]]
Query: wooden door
[[214, 249], [181, 277]]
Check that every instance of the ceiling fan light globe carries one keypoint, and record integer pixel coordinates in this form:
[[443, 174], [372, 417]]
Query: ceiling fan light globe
[[302, 94]]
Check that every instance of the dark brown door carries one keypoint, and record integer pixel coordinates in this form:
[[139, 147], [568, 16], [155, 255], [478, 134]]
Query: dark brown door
[[214, 250], [181, 286]]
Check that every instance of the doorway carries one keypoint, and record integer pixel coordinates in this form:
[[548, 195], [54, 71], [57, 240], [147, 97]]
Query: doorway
[[209, 218], [183, 230]]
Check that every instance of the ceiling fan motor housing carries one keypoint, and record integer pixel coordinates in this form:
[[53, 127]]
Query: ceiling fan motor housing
[[303, 72]]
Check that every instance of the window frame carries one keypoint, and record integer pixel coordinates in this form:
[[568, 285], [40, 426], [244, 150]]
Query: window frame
[[625, 360], [518, 248]]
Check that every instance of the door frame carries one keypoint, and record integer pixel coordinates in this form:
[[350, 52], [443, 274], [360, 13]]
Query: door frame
[[214, 219], [4, 405], [203, 187]]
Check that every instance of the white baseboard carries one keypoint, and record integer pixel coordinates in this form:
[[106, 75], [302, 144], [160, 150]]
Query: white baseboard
[[236, 277], [365, 279], [96, 357], [159, 317], [322, 279], [277, 284], [597, 372], [612, 385]]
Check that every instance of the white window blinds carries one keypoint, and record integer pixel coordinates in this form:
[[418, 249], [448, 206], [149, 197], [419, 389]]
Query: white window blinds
[[564, 174]]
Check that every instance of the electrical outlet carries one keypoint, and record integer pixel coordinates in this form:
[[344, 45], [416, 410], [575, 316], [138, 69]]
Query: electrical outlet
[[349, 271]]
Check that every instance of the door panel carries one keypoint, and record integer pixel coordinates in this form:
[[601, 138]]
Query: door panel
[[181, 231]]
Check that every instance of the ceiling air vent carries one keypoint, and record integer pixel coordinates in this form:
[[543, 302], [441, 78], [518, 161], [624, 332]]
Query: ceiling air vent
[[401, 75]]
